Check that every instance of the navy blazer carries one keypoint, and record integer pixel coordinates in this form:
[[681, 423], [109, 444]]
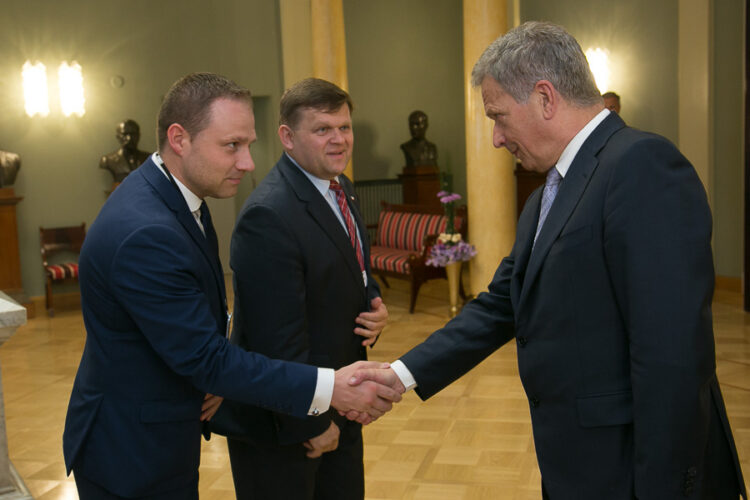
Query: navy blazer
[[153, 301], [298, 290], [611, 313]]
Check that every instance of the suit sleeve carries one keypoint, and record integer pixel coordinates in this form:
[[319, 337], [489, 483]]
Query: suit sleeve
[[657, 243], [484, 325], [270, 305], [154, 278]]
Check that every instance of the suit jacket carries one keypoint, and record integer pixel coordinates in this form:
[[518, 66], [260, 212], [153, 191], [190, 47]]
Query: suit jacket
[[298, 289], [152, 294], [611, 313]]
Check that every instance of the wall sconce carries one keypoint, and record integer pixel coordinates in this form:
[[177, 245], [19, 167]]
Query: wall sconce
[[599, 64], [35, 89], [70, 86], [70, 82]]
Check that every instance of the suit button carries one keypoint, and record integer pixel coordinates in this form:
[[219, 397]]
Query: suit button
[[534, 402], [522, 341]]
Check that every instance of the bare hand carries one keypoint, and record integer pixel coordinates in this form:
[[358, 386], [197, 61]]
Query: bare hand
[[366, 396], [210, 406], [328, 441], [382, 375], [372, 321]]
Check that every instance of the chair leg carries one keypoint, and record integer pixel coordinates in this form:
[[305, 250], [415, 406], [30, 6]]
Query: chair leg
[[385, 281], [416, 284], [48, 298], [461, 291]]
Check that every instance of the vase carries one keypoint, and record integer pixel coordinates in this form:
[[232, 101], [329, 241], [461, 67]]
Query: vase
[[453, 272]]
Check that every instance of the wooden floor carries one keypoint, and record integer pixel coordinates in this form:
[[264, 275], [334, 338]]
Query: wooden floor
[[471, 441]]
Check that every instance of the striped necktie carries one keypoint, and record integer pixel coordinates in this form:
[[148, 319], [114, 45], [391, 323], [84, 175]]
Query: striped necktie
[[551, 186], [350, 227]]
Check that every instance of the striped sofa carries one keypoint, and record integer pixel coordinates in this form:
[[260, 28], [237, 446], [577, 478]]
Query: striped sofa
[[404, 236]]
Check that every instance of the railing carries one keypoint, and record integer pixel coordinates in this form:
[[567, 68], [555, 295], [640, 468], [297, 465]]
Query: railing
[[371, 193]]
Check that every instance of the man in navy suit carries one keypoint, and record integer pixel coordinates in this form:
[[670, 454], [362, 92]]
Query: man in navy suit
[[308, 296], [154, 306], [606, 292]]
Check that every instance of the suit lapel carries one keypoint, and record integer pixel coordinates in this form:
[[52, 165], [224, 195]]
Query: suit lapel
[[524, 240], [572, 188], [176, 202], [322, 214]]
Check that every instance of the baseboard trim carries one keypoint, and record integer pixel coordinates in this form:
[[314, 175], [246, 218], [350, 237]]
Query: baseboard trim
[[62, 301], [729, 284]]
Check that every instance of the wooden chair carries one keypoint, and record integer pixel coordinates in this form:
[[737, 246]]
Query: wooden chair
[[405, 235], [60, 240]]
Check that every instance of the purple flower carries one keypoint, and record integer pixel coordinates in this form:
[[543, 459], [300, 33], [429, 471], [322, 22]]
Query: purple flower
[[450, 198], [443, 254], [442, 193]]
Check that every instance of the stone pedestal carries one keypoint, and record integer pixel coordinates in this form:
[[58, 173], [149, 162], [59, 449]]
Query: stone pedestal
[[421, 184], [12, 315]]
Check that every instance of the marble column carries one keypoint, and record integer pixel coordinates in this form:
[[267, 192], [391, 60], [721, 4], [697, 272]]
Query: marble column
[[329, 46], [12, 315], [490, 185], [296, 36]]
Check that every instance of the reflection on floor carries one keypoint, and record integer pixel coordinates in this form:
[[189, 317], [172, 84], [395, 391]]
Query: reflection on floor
[[471, 441]]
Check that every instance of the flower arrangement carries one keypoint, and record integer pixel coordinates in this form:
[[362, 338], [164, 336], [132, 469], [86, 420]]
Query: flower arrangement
[[450, 248]]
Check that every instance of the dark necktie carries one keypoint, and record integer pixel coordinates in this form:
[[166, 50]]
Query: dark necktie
[[548, 196], [213, 245], [344, 206], [209, 231]]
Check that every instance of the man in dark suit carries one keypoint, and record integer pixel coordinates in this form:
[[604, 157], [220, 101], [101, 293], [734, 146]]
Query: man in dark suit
[[154, 306], [308, 296], [607, 291]]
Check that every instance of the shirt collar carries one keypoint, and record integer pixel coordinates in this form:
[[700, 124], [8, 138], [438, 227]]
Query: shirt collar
[[322, 185], [193, 201], [571, 150]]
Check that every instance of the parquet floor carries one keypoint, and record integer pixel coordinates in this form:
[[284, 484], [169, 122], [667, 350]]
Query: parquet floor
[[471, 441]]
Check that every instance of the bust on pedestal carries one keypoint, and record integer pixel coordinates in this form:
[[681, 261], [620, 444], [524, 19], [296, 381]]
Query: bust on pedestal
[[420, 177], [10, 260], [126, 159]]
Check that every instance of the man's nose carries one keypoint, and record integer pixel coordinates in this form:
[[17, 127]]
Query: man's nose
[[245, 162], [337, 136], [498, 137]]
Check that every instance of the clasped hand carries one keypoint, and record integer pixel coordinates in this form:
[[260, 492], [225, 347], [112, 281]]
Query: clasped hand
[[366, 390]]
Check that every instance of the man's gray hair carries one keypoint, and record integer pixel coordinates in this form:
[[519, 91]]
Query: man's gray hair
[[537, 51]]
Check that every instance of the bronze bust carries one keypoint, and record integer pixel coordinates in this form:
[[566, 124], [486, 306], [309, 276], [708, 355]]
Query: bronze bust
[[418, 150], [128, 157], [10, 163]]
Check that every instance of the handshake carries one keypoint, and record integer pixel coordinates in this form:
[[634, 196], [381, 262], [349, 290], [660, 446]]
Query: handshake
[[366, 390]]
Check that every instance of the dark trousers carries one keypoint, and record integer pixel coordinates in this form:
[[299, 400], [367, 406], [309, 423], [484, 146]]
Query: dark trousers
[[285, 472], [88, 490]]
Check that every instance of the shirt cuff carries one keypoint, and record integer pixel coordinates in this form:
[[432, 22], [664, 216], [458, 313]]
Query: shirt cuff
[[323, 392], [404, 375]]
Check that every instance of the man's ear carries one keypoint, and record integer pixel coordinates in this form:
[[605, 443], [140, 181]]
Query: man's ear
[[286, 136], [549, 98], [178, 138]]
